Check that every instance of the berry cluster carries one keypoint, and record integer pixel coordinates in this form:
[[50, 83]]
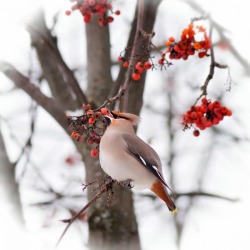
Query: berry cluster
[[205, 115], [87, 8], [189, 43], [140, 67], [89, 126]]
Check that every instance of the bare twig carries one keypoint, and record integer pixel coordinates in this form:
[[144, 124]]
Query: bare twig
[[213, 65], [121, 76], [200, 193], [112, 99], [104, 188]]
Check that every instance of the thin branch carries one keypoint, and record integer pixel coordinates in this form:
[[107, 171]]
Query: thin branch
[[104, 188], [213, 65], [200, 193], [112, 100], [120, 78]]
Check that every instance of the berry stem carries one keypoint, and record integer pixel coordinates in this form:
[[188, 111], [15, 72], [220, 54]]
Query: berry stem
[[213, 64]]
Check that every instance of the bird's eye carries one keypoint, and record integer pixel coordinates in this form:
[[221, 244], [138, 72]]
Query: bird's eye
[[108, 120]]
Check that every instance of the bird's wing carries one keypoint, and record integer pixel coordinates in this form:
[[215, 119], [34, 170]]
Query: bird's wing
[[145, 154]]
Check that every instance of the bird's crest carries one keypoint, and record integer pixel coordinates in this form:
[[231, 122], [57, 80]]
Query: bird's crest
[[134, 119]]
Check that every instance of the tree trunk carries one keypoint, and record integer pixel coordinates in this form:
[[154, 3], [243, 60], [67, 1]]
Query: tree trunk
[[114, 227]]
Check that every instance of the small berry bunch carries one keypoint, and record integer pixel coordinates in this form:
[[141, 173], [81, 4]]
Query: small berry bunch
[[87, 8], [189, 44], [140, 67], [205, 115], [92, 124]]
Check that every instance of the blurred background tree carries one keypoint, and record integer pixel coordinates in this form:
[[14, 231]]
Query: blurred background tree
[[65, 67]]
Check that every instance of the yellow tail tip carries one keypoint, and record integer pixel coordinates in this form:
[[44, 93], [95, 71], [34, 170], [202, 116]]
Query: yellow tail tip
[[174, 211]]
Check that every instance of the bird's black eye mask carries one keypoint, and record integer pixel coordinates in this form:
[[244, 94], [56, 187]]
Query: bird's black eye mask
[[108, 120], [117, 116]]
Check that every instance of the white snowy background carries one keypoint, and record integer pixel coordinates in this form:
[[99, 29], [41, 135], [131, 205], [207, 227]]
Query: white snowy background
[[210, 223]]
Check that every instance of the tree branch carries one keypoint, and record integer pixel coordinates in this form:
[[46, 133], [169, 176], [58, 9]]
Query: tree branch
[[104, 188], [122, 72], [200, 193], [133, 60], [55, 71], [22, 82], [134, 89]]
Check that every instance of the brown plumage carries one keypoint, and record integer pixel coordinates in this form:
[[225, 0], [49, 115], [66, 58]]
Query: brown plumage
[[125, 156]]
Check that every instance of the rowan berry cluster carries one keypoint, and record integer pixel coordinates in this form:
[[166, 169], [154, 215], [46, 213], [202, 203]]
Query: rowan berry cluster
[[205, 115], [87, 8], [193, 39], [89, 126], [139, 68]]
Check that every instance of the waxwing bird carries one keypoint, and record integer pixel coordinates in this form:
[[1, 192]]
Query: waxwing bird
[[126, 157]]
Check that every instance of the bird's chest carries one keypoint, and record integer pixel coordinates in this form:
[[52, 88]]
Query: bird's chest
[[113, 159]]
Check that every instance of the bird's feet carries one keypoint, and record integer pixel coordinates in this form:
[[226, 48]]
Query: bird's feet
[[126, 183]]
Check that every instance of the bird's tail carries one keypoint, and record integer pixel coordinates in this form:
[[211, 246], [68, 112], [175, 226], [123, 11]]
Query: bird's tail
[[161, 191]]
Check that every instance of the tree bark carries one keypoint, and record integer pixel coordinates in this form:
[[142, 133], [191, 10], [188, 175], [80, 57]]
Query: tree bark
[[113, 227], [136, 88], [63, 84]]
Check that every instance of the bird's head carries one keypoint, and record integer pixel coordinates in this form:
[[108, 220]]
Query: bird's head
[[113, 116]]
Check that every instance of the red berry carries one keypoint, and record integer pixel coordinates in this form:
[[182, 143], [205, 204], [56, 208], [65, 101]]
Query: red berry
[[201, 54], [210, 106], [196, 133], [67, 12], [125, 65], [229, 112], [104, 111], [79, 138], [136, 76], [140, 70], [90, 113], [217, 104], [171, 39], [120, 58], [203, 109], [161, 61], [74, 134], [97, 140], [118, 12], [87, 18], [193, 115], [94, 152], [147, 65], [139, 66], [91, 120], [90, 140], [204, 100], [110, 19]]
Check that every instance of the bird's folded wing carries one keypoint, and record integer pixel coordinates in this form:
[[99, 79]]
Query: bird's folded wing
[[145, 154]]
